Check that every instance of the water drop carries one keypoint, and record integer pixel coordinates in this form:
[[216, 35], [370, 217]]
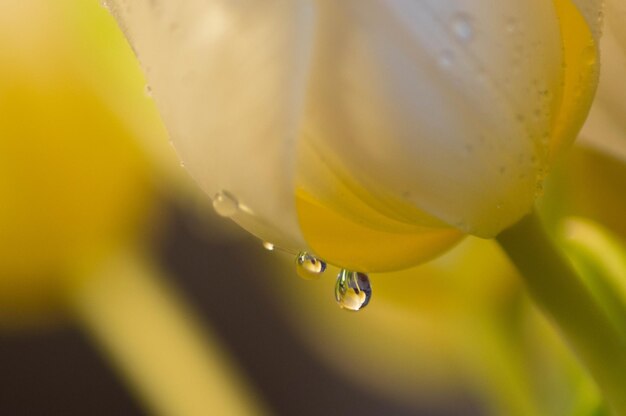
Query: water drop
[[225, 204], [511, 26], [308, 266], [268, 246], [353, 290], [462, 27], [446, 59], [148, 91], [539, 190]]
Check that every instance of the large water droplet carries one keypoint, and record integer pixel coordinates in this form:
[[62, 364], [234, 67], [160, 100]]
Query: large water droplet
[[462, 27], [353, 290], [225, 204], [308, 266]]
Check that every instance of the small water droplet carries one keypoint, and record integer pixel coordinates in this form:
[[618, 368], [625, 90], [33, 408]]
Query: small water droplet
[[511, 26], [539, 190], [268, 246], [308, 266], [148, 91], [462, 27], [446, 58], [225, 204], [353, 290]]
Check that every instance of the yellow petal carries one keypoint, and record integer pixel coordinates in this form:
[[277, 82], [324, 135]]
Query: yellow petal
[[606, 127], [580, 63]]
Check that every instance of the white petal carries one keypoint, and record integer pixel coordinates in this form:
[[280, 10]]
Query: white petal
[[229, 77], [445, 105]]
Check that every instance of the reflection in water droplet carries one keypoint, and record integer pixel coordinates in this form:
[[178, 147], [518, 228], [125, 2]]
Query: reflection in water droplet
[[268, 246], [308, 266], [353, 290], [225, 204], [462, 27]]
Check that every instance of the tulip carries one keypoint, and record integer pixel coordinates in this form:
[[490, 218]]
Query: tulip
[[376, 134]]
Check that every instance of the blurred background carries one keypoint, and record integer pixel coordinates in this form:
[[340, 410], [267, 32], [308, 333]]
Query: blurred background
[[122, 292]]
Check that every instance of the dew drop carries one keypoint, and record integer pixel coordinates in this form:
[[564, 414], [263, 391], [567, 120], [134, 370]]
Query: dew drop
[[462, 27], [148, 91], [225, 204], [539, 190], [268, 246], [446, 59], [511, 26], [308, 266], [353, 290]]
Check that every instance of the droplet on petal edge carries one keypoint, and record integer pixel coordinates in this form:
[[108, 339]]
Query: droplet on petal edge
[[308, 266], [353, 290], [225, 204]]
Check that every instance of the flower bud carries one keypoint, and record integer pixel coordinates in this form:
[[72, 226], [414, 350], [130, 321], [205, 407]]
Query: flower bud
[[376, 133]]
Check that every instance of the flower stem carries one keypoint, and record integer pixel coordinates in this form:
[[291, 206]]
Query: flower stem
[[170, 361], [561, 294]]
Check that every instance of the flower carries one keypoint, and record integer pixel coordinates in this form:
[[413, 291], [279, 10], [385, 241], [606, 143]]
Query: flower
[[375, 133]]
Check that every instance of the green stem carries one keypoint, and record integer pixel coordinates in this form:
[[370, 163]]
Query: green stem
[[560, 293]]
